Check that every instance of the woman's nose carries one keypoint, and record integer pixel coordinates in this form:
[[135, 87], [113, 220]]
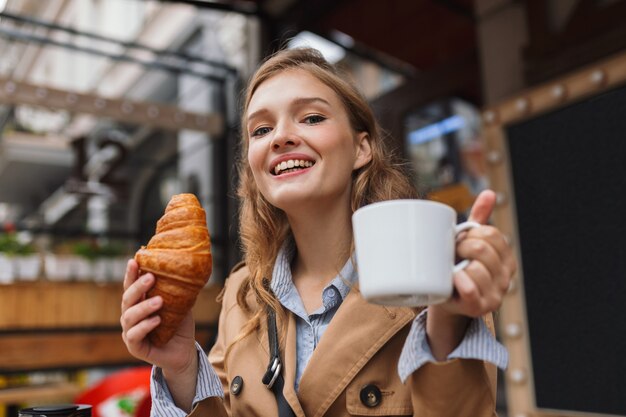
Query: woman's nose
[[284, 136]]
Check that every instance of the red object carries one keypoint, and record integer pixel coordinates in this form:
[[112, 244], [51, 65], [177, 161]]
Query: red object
[[132, 380], [144, 407]]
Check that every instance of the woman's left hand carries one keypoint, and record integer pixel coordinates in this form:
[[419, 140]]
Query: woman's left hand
[[481, 286]]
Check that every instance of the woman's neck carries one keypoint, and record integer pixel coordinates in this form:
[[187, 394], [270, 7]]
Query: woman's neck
[[323, 242]]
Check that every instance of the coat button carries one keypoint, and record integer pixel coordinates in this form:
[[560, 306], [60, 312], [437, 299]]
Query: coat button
[[370, 395], [236, 385]]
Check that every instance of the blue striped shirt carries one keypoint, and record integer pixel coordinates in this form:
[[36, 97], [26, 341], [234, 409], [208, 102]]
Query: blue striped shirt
[[478, 342]]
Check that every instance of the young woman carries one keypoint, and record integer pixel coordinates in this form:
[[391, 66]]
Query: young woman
[[312, 154]]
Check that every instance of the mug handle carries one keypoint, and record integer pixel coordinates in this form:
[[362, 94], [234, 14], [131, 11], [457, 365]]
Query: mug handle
[[461, 227]]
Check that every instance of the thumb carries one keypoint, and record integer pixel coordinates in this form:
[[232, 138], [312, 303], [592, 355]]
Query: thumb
[[483, 207]]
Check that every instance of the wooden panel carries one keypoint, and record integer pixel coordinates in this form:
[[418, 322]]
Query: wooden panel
[[45, 351], [78, 304], [571, 88], [70, 349], [588, 82], [65, 391], [46, 325]]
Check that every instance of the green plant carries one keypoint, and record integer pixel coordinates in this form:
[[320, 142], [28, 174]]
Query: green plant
[[26, 249], [111, 250], [84, 249], [11, 245]]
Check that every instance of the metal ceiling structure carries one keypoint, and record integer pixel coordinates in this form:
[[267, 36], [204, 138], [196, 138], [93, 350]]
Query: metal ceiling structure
[[121, 109], [419, 36], [29, 30]]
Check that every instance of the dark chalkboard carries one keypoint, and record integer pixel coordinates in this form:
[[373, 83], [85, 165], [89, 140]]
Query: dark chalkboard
[[569, 176]]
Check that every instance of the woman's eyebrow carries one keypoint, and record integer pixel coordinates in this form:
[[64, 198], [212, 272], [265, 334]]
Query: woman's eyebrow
[[256, 114], [308, 100], [300, 101]]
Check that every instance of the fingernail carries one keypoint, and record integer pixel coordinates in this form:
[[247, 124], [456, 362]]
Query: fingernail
[[146, 279], [155, 301]]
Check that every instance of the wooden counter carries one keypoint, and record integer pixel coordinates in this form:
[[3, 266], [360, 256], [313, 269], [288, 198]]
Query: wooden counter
[[71, 325], [65, 391], [45, 304]]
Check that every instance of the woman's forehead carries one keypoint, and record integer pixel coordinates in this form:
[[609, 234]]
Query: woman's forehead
[[294, 82]]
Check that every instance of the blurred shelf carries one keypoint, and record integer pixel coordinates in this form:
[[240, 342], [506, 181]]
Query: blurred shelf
[[49, 392], [73, 325], [46, 304]]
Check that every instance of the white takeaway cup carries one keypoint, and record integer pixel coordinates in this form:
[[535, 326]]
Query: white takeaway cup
[[405, 251]]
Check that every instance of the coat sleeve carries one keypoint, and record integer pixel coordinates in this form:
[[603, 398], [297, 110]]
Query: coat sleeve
[[455, 388], [215, 406]]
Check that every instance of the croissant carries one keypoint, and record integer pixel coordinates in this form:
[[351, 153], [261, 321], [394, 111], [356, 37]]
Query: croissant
[[179, 257]]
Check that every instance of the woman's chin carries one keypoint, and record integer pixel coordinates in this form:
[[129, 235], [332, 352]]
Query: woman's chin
[[291, 203]]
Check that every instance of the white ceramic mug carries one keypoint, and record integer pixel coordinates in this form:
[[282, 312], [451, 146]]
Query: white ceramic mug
[[405, 251]]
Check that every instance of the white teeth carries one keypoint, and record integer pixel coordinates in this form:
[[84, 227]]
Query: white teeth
[[291, 164]]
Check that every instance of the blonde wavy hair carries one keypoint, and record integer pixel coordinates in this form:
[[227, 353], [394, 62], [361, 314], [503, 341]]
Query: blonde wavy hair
[[263, 227]]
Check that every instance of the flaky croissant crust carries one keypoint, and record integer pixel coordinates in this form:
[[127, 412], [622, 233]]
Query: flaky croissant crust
[[181, 247], [179, 256]]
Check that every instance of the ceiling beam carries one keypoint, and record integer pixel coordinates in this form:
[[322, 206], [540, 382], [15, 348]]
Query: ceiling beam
[[243, 7], [126, 44], [126, 111], [156, 65]]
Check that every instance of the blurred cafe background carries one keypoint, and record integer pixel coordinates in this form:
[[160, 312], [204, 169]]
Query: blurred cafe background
[[108, 107]]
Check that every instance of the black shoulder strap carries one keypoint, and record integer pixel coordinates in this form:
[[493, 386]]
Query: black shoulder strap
[[273, 378]]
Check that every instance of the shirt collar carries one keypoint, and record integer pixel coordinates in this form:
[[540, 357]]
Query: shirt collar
[[282, 282], [346, 279]]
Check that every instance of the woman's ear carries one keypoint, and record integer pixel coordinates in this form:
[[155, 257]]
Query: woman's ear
[[363, 150]]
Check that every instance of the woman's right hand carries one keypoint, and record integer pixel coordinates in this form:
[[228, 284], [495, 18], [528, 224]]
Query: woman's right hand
[[140, 316]]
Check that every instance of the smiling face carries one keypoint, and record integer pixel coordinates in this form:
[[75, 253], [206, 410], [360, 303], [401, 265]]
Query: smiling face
[[302, 148]]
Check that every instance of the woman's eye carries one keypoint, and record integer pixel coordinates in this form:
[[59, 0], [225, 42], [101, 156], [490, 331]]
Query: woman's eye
[[260, 132], [314, 119]]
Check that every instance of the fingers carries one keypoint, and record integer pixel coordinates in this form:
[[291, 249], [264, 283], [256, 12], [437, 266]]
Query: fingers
[[132, 270], [136, 335], [136, 291], [476, 295], [135, 314], [493, 237], [138, 314], [482, 251], [482, 284], [483, 206], [488, 245]]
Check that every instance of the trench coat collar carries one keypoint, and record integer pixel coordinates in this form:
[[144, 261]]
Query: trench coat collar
[[358, 330]]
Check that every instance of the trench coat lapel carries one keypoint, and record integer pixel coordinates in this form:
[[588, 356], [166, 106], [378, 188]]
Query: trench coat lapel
[[358, 330], [290, 368]]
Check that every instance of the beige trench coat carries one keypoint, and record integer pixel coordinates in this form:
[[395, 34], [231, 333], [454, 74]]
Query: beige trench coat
[[360, 347]]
